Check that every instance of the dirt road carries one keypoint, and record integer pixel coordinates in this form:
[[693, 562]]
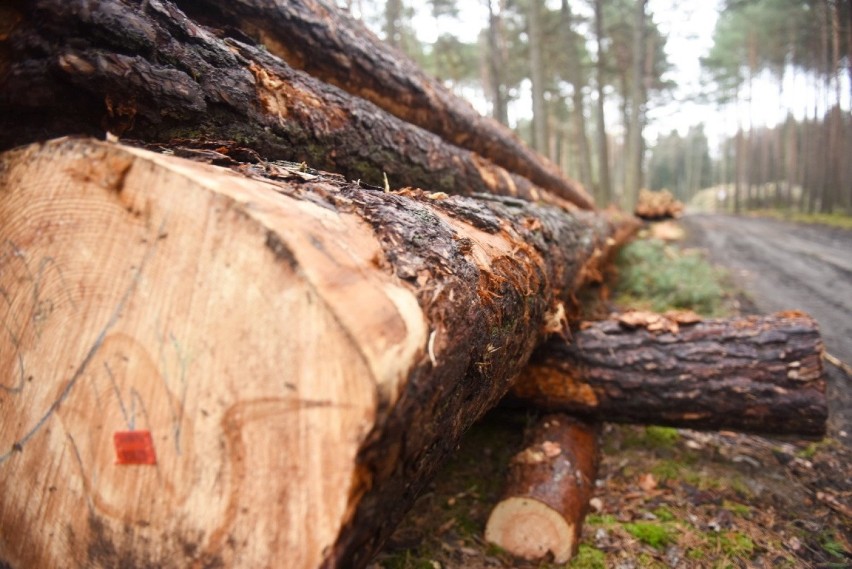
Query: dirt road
[[784, 266]]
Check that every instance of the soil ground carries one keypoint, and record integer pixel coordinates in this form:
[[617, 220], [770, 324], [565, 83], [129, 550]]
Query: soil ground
[[681, 498]]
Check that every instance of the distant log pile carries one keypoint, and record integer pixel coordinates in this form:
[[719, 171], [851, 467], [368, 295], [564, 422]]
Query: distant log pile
[[221, 354], [654, 206]]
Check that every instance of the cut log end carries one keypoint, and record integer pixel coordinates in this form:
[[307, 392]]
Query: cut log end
[[530, 529]]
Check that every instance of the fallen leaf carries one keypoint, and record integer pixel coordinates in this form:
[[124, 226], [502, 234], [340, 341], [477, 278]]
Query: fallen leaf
[[648, 482], [596, 504]]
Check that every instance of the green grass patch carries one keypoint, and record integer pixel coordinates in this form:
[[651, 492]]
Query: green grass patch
[[655, 534], [833, 547], [661, 437], [588, 558], [603, 520], [651, 438], [660, 277], [809, 451], [738, 485], [664, 514], [735, 544], [666, 470], [648, 562], [838, 219], [740, 510]]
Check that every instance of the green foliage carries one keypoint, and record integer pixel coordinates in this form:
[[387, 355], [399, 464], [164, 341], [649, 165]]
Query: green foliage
[[735, 544], [664, 514], [647, 561], [737, 508], [451, 59], [664, 437], [659, 277], [605, 520], [836, 219], [787, 32], [833, 547], [588, 558], [809, 451], [655, 534], [666, 470]]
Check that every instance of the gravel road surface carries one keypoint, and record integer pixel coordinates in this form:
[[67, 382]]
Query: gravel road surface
[[786, 266]]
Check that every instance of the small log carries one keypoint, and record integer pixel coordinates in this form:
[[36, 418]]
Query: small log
[[547, 491], [201, 367], [318, 37], [756, 374], [146, 71]]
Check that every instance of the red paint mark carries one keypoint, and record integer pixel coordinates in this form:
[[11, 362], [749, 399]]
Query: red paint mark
[[134, 447]]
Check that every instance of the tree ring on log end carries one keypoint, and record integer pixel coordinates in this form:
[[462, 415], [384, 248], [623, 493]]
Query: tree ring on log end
[[530, 529]]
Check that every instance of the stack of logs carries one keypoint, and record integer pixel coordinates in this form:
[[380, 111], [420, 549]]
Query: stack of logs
[[216, 353], [657, 205]]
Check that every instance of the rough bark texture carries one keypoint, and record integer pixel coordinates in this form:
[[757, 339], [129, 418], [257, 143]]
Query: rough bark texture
[[753, 374], [303, 351], [146, 71], [547, 491], [326, 42]]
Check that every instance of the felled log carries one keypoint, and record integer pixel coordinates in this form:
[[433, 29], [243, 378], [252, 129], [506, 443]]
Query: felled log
[[547, 491], [316, 36], [203, 367], [657, 205], [755, 374], [144, 70]]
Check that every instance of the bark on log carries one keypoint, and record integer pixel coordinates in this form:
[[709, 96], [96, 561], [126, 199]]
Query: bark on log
[[145, 71], [547, 491], [756, 374], [303, 353], [318, 37]]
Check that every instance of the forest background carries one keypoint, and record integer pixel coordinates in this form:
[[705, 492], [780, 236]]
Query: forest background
[[605, 90]]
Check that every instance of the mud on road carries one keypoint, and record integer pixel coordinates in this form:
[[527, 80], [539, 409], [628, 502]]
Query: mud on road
[[787, 266]]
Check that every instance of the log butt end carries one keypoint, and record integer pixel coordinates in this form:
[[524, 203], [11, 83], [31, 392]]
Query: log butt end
[[530, 529]]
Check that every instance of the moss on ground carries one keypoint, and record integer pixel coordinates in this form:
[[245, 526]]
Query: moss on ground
[[656, 276]]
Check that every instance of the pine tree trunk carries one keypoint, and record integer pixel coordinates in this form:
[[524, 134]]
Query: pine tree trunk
[[604, 195], [539, 119], [578, 115], [634, 144], [496, 63]]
